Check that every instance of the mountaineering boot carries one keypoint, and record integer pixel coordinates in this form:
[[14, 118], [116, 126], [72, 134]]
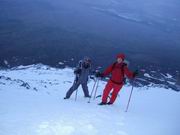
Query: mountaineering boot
[[87, 96], [102, 103], [109, 103], [66, 98]]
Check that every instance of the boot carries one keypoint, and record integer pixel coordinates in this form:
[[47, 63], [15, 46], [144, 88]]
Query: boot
[[88, 96], [109, 103], [66, 98], [102, 103]]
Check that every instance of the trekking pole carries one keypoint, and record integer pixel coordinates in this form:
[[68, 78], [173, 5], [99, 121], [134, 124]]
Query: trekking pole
[[130, 96], [96, 89], [92, 90], [74, 86], [76, 95]]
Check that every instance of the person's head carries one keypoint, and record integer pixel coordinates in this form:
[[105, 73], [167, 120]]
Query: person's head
[[86, 62], [120, 58]]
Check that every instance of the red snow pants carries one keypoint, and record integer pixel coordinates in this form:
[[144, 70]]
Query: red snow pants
[[115, 90]]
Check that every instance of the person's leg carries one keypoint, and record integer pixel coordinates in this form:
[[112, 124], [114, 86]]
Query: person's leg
[[72, 89], [106, 91], [85, 89], [116, 89]]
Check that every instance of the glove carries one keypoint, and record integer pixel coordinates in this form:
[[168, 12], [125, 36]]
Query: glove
[[135, 73], [98, 74], [77, 71], [91, 77]]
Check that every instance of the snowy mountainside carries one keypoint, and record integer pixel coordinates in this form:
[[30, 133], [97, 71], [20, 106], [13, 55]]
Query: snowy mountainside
[[31, 103], [158, 79]]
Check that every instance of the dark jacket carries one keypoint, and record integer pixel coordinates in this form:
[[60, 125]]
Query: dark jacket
[[82, 72]]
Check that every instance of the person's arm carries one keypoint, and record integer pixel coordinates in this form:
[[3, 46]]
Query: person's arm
[[128, 73], [78, 67], [108, 70]]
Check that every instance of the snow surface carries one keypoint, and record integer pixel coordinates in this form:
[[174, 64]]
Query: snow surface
[[41, 109]]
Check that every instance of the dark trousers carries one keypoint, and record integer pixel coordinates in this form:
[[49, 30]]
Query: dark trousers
[[75, 86]]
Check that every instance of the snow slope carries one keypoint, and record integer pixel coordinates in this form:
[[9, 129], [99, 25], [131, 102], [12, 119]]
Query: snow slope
[[31, 103]]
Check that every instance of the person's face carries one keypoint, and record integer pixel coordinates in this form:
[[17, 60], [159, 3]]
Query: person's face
[[86, 63], [119, 60]]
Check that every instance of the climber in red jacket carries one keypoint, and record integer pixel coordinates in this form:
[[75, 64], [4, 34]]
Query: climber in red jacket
[[118, 71]]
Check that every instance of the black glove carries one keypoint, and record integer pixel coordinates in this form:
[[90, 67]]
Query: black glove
[[135, 73], [91, 77], [77, 71], [98, 74]]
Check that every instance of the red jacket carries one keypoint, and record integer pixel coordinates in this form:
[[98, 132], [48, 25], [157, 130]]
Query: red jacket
[[116, 70]]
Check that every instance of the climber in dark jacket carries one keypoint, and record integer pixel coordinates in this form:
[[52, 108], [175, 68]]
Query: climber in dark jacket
[[82, 72]]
